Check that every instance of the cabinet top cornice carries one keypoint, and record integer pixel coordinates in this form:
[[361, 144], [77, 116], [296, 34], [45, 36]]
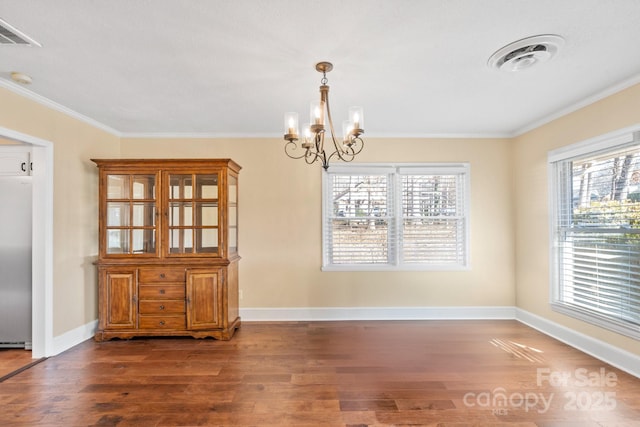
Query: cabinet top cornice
[[168, 163]]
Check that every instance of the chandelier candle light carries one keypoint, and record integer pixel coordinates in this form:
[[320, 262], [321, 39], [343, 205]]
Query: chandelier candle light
[[312, 142]]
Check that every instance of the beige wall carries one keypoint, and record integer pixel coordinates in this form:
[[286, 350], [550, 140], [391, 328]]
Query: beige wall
[[280, 220], [531, 202], [75, 202], [280, 215]]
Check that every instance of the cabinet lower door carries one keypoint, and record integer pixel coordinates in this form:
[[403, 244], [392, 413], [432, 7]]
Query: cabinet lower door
[[204, 299], [118, 304]]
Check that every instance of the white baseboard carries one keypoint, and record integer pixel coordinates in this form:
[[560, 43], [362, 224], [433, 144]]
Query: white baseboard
[[74, 337], [375, 313], [601, 350]]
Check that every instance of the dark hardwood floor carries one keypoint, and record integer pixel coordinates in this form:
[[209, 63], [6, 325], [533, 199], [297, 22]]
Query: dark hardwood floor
[[373, 373], [12, 359]]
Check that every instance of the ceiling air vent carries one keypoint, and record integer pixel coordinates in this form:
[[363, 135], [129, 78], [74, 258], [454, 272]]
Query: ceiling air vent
[[526, 53], [11, 36]]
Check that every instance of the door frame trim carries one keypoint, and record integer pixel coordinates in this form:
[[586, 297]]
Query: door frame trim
[[42, 241]]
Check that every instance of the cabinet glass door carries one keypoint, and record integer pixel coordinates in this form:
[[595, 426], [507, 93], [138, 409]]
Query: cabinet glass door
[[193, 226], [130, 214]]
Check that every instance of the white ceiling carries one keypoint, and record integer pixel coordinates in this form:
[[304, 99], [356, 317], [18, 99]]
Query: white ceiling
[[233, 67]]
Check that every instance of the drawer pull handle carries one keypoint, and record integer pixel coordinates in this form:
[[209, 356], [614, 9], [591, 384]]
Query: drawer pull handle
[[162, 323], [162, 307], [162, 291], [162, 276]]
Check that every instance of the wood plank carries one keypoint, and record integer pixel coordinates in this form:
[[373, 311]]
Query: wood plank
[[12, 359], [355, 373]]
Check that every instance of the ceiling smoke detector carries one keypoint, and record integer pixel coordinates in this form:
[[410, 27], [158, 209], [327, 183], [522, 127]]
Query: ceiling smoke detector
[[526, 53], [21, 78]]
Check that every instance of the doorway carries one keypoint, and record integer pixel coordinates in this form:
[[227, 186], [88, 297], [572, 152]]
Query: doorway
[[42, 241]]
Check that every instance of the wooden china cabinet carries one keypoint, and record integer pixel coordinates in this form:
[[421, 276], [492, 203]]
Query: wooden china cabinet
[[168, 250]]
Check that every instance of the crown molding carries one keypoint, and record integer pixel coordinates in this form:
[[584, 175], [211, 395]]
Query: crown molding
[[196, 135], [440, 135], [206, 135], [15, 88], [611, 90]]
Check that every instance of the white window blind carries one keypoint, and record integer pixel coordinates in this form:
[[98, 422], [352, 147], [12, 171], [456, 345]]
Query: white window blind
[[360, 219], [433, 221], [395, 217], [596, 235]]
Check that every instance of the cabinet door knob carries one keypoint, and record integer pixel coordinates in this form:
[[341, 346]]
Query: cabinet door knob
[[162, 323], [23, 167], [162, 291], [162, 307], [162, 276]]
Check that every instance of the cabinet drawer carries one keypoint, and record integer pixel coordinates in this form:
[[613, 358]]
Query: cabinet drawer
[[160, 307], [161, 292], [162, 275], [162, 322]]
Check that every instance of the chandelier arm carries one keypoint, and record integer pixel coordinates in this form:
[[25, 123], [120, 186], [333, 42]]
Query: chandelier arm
[[320, 153], [323, 159], [357, 144], [311, 157], [351, 150], [346, 155], [319, 142], [340, 156], [288, 148]]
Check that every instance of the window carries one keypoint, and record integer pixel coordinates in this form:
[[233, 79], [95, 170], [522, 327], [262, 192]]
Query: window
[[595, 231], [396, 217]]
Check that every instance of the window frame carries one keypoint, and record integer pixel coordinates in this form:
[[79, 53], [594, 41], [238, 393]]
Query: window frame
[[395, 171], [557, 185]]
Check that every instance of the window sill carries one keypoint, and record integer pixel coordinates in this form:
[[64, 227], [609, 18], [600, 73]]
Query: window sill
[[398, 268]]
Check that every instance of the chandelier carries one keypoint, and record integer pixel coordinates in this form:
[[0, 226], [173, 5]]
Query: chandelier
[[311, 146]]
